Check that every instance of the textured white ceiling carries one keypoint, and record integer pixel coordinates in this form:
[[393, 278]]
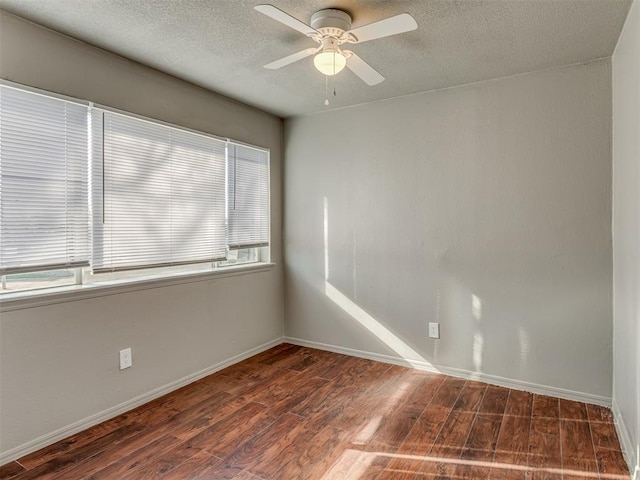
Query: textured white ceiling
[[223, 44]]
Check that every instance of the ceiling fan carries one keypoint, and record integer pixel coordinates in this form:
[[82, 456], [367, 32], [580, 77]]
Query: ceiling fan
[[331, 28]]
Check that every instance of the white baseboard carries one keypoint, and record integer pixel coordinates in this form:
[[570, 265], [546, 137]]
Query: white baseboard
[[459, 372], [99, 417], [628, 449]]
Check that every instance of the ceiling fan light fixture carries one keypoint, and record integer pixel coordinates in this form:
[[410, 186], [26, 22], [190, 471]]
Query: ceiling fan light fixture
[[330, 62]]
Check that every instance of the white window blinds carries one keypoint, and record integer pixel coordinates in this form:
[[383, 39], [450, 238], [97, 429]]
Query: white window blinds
[[248, 196], [159, 196], [44, 221]]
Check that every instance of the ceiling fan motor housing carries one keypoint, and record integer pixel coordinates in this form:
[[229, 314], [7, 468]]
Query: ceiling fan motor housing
[[331, 22]]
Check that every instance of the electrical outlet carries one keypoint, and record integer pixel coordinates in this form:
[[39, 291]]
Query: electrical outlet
[[125, 358], [434, 330]]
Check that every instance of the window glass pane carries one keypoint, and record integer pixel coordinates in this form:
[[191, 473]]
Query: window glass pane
[[240, 256], [34, 280]]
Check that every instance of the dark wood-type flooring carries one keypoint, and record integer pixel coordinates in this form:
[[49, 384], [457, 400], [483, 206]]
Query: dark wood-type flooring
[[300, 413]]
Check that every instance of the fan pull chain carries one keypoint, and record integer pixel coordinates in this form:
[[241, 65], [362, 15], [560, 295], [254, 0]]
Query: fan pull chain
[[326, 82], [326, 90], [334, 74]]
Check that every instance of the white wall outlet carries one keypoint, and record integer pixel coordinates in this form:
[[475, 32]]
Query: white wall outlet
[[434, 330], [125, 358]]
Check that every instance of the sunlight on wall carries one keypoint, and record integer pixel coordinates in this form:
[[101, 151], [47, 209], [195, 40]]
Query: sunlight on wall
[[478, 339], [525, 345], [478, 347], [407, 353], [476, 307], [326, 239]]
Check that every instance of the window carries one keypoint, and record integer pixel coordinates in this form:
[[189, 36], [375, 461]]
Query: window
[[248, 181], [43, 183], [162, 196], [88, 194]]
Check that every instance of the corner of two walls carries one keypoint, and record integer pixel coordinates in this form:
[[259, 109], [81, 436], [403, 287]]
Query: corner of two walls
[[626, 238], [485, 208]]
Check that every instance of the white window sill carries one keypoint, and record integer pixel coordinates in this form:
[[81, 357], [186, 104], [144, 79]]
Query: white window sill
[[70, 293]]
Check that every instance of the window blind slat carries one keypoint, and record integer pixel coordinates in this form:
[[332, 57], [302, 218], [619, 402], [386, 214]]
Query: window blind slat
[[44, 222], [248, 196], [161, 197]]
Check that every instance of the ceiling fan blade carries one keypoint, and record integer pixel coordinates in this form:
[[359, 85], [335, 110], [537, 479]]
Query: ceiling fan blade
[[285, 18], [363, 70], [283, 62], [384, 28]]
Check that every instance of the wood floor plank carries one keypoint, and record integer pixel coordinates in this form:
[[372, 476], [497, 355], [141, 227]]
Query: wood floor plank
[[68, 459], [519, 403], [483, 437], [193, 468], [545, 444], [572, 410], [426, 391], [513, 441], [400, 414], [328, 368], [417, 445], [10, 470], [494, 401], [160, 466], [611, 462], [392, 428], [448, 392], [371, 405], [597, 413], [470, 397], [275, 388], [576, 440], [265, 444], [604, 435], [312, 360], [449, 444], [289, 445], [224, 436], [282, 357], [313, 454], [298, 413], [425, 431], [322, 397], [543, 474], [577, 447], [126, 467], [478, 452], [545, 406]]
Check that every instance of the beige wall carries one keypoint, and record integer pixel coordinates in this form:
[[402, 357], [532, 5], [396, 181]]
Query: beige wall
[[626, 237], [59, 363], [486, 208]]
